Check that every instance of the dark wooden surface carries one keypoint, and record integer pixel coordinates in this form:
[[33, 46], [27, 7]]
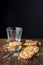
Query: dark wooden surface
[[14, 60]]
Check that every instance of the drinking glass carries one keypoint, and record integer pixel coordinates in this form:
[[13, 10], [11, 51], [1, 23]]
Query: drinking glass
[[14, 33]]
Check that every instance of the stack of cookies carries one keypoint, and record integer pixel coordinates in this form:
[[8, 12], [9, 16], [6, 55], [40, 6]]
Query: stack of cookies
[[31, 48]]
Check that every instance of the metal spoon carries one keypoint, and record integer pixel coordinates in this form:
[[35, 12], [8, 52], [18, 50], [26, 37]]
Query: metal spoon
[[18, 48]]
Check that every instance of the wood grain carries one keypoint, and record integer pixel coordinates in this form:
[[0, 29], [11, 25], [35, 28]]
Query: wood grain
[[15, 61]]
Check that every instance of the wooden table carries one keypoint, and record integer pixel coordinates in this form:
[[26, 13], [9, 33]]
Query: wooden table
[[14, 60]]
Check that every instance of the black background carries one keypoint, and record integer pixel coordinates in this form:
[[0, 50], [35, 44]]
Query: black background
[[23, 13]]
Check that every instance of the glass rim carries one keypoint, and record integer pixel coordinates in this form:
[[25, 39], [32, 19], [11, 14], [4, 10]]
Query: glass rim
[[13, 28]]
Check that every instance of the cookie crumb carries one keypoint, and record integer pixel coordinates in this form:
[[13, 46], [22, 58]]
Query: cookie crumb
[[40, 64], [40, 43]]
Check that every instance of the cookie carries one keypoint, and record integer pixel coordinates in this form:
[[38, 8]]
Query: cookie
[[34, 43], [14, 44], [29, 52]]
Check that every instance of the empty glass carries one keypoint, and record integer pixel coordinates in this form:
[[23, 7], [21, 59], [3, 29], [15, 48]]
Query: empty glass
[[14, 33]]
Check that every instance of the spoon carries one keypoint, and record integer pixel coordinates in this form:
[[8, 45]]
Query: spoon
[[18, 48]]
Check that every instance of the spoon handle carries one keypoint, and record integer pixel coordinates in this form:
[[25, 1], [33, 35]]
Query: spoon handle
[[8, 55]]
